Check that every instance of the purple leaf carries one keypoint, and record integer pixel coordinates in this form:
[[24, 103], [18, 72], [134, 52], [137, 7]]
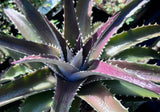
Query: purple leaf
[[71, 30], [37, 20], [145, 71], [106, 70], [64, 94], [84, 11], [114, 26], [88, 46], [26, 29], [26, 47], [64, 69], [60, 41], [100, 98]]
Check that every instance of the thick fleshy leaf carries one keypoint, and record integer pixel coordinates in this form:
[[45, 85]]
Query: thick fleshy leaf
[[114, 26], [36, 19], [26, 47], [84, 11], [88, 46], [38, 102], [23, 25], [65, 69], [130, 38], [71, 31], [144, 71], [77, 60], [14, 72], [123, 88], [64, 94], [110, 71], [136, 54], [100, 98], [39, 81]]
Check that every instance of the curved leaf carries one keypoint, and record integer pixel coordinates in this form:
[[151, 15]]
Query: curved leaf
[[39, 81], [100, 98], [127, 89], [136, 54], [130, 38], [65, 69], [38, 102], [40, 24], [114, 26], [26, 47], [102, 69], [144, 71]]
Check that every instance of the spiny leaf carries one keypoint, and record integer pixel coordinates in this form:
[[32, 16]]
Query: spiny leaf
[[100, 98], [39, 81], [38, 102], [64, 94], [40, 24], [15, 71], [51, 61], [136, 54], [26, 47], [115, 25], [25, 28], [88, 46], [127, 89], [144, 71], [130, 38], [103, 69], [84, 11], [71, 30]]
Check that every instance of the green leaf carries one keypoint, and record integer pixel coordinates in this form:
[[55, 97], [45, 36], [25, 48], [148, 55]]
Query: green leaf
[[127, 89], [137, 54], [15, 71], [100, 98], [38, 102], [130, 38], [33, 83]]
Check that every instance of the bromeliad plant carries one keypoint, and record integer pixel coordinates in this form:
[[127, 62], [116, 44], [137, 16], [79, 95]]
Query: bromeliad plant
[[79, 57]]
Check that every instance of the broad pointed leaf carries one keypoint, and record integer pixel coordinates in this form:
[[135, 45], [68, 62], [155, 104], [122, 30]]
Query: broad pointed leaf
[[71, 31], [107, 70], [50, 61], [23, 25], [39, 81], [88, 46], [26, 47], [114, 26], [64, 94], [14, 72], [123, 88], [144, 71], [100, 98], [61, 42], [136, 54], [84, 11], [130, 38], [38, 102], [36, 19]]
